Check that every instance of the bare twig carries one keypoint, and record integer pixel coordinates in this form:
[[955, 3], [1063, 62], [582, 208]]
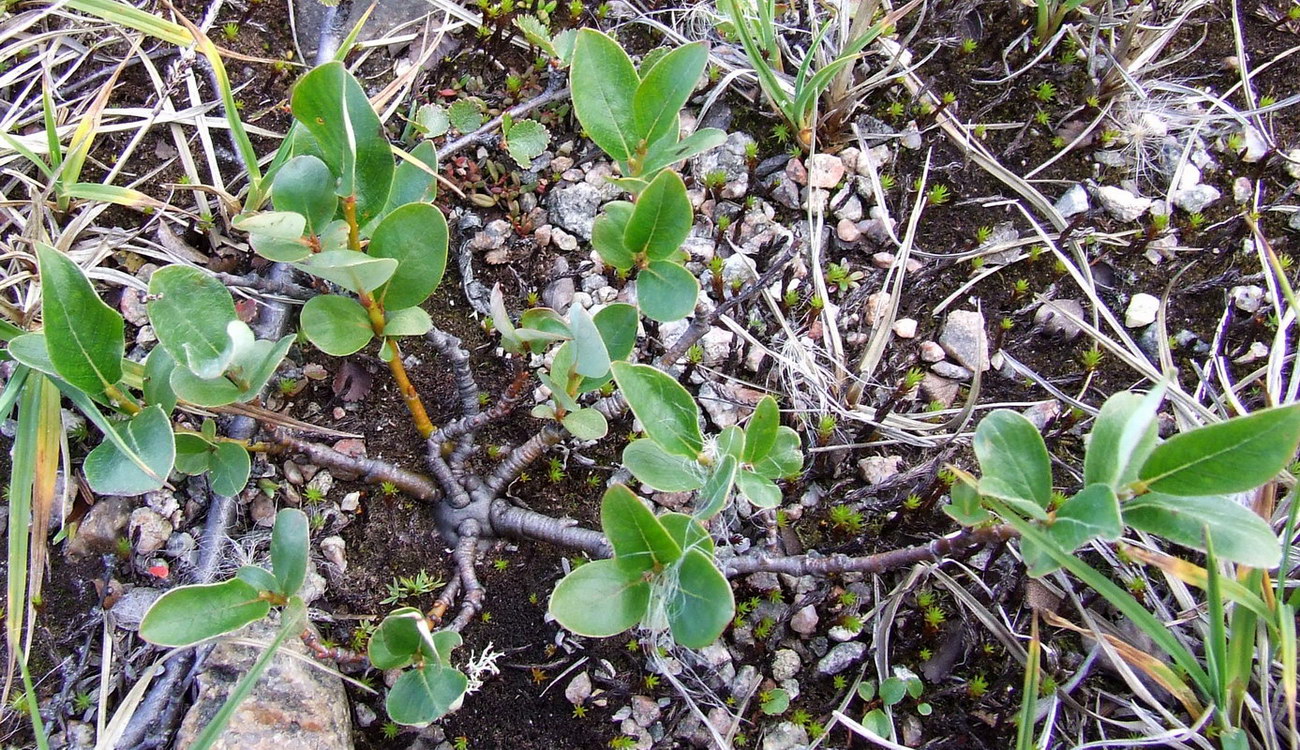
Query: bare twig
[[370, 469], [801, 565]]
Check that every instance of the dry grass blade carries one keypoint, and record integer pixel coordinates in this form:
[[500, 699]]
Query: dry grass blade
[[1152, 667]]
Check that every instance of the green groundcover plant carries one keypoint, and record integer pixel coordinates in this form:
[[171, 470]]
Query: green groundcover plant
[[351, 210]]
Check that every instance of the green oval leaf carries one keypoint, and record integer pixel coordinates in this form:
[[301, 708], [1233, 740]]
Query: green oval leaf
[[330, 103], [423, 695], [661, 218], [402, 634], [290, 537], [415, 236], [590, 357], [717, 490], [1238, 534], [304, 185], [190, 312], [157, 386], [666, 410], [586, 424], [1122, 438], [189, 614], [411, 184], [257, 577], [1233, 456], [32, 350], [759, 490], [603, 82], [665, 88], [84, 336], [354, 271], [688, 532], [1013, 459], [230, 469], [410, 321], [623, 597], [666, 291], [701, 605], [1091, 514], [337, 325], [785, 459], [760, 431], [607, 235], [640, 543], [139, 461], [657, 469]]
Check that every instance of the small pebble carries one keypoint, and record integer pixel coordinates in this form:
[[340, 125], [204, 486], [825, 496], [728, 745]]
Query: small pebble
[[1141, 311]]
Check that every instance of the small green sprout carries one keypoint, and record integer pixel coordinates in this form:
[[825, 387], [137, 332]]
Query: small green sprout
[[938, 194], [1007, 324], [1045, 92], [887, 182], [1196, 221], [715, 180], [980, 131], [514, 83], [1042, 118], [1090, 358], [801, 717], [896, 110], [622, 742], [313, 495], [912, 502], [781, 132], [1019, 287], [460, 743], [764, 627], [978, 686], [848, 599], [840, 682], [388, 488], [287, 386], [968, 46], [934, 617], [695, 354], [579, 711], [486, 617], [983, 234], [230, 31], [390, 730], [724, 223], [912, 378], [925, 598], [846, 519], [925, 654], [751, 151], [651, 681], [501, 563], [82, 701], [791, 298]]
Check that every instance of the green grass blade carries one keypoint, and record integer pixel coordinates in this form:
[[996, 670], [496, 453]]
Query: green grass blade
[[27, 154], [13, 390], [1029, 699], [33, 702], [1286, 654], [1216, 642], [1288, 534], [134, 18], [1156, 630], [51, 125], [766, 76], [291, 624]]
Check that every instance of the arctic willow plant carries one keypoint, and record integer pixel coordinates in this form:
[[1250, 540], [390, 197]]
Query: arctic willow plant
[[662, 574], [1181, 489], [634, 116], [344, 213]]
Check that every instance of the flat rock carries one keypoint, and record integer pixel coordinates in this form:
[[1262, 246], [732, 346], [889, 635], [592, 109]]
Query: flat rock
[[1122, 204], [1141, 310], [1194, 199], [101, 527], [573, 207], [841, 657], [940, 389], [785, 664], [785, 736], [876, 469], [824, 171], [964, 340], [1073, 201], [804, 622], [149, 530], [294, 705], [1050, 319]]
